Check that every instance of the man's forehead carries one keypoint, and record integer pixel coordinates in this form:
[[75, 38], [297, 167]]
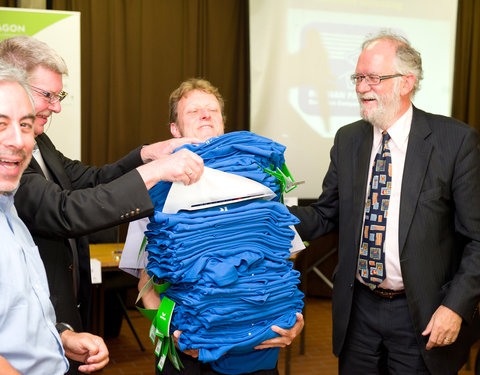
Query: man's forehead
[[17, 94], [199, 96], [46, 78], [376, 59]]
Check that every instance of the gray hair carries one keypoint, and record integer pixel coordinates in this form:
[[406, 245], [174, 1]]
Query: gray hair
[[407, 61], [12, 73], [28, 53]]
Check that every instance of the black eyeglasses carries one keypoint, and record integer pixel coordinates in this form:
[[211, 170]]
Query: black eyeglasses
[[371, 79], [50, 96]]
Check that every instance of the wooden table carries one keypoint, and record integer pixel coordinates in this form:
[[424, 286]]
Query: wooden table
[[107, 253]]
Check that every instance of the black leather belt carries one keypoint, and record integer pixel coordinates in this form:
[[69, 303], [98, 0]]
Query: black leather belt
[[384, 293]]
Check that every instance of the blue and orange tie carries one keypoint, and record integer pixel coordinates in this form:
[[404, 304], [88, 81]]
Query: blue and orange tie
[[371, 262]]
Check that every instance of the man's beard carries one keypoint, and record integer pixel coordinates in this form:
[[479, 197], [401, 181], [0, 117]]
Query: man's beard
[[388, 107]]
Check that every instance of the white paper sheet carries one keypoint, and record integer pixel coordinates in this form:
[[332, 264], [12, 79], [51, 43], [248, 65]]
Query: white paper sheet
[[133, 261]]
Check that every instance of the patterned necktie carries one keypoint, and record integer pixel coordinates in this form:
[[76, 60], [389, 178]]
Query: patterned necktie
[[371, 262]]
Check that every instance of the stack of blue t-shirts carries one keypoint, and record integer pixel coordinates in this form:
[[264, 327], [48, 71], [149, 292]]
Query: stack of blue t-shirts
[[228, 266]]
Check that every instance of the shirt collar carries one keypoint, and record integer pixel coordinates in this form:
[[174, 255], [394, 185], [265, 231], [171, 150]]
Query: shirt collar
[[398, 132], [6, 200]]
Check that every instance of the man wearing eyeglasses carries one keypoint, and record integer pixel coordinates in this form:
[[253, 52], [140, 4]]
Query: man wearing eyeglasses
[[403, 190], [60, 200]]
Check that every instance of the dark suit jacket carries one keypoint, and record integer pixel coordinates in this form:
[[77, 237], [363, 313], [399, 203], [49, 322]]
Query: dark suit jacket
[[439, 228], [79, 200]]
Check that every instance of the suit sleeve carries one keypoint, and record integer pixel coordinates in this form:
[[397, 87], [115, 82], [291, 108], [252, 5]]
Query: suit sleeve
[[464, 290], [99, 198], [82, 176], [321, 217]]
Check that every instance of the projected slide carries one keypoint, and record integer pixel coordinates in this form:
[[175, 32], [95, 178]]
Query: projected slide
[[302, 56]]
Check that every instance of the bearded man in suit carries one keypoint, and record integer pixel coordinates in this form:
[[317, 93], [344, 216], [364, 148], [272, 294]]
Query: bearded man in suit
[[410, 305]]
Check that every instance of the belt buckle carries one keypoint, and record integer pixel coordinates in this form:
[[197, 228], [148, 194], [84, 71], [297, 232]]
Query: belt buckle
[[387, 293]]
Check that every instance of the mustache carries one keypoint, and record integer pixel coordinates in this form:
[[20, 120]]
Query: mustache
[[8, 153], [372, 95]]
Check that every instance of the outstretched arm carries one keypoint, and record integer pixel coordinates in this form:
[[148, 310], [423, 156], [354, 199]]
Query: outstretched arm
[[157, 150]]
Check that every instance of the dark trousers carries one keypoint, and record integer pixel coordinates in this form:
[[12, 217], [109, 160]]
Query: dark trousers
[[380, 338], [192, 366]]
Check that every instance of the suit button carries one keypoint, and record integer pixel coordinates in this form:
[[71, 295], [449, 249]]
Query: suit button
[[127, 215], [122, 217], [137, 211], [70, 267], [132, 213]]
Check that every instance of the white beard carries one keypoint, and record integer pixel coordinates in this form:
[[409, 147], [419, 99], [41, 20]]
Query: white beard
[[388, 107]]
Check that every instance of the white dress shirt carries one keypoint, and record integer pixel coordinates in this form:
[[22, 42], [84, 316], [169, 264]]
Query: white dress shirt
[[38, 157]]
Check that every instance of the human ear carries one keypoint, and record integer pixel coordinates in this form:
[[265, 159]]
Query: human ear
[[408, 82], [175, 131]]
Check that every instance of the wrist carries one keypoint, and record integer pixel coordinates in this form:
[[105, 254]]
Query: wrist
[[62, 327], [146, 158]]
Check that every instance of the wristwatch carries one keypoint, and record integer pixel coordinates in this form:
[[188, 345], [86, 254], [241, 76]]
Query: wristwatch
[[63, 327]]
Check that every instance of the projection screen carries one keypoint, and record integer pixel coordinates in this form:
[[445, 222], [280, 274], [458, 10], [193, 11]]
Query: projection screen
[[302, 53]]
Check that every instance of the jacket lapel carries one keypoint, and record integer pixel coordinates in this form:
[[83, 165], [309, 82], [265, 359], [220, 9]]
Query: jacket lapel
[[51, 161], [415, 169], [361, 163]]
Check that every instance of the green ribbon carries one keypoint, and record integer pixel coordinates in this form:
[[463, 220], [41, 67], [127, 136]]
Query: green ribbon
[[285, 179], [160, 328]]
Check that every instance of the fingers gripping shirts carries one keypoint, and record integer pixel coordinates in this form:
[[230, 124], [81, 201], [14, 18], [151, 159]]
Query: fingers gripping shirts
[[231, 280]]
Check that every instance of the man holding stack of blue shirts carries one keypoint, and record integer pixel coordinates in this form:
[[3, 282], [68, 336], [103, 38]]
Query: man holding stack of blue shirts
[[231, 282]]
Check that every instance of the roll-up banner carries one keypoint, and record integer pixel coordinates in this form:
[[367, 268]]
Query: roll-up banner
[[61, 31]]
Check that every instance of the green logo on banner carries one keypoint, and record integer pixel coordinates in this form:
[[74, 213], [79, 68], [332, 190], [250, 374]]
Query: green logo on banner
[[14, 22]]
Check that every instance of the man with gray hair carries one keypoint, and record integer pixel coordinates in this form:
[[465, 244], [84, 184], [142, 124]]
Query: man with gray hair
[[61, 200], [30, 343], [403, 190]]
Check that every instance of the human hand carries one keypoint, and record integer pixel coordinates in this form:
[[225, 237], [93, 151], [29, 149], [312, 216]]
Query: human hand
[[86, 348], [184, 166], [191, 352], [443, 327], [150, 298], [286, 335], [160, 149]]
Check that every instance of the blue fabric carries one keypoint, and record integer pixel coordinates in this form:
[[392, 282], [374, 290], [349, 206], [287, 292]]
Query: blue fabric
[[28, 338], [228, 266]]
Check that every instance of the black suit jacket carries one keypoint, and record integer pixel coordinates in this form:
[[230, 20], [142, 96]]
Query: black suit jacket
[[79, 200], [439, 227]]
